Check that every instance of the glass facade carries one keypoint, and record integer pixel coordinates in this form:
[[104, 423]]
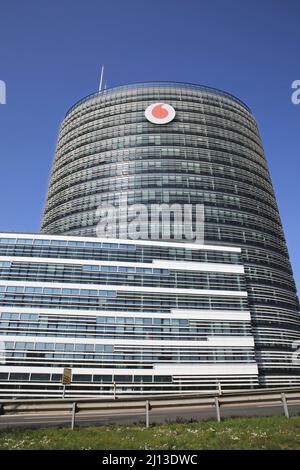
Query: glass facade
[[210, 154], [153, 317]]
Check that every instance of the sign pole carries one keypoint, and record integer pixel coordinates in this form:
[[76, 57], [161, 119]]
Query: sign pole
[[66, 379]]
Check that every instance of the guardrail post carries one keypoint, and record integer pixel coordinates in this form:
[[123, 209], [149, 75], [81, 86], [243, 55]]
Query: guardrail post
[[217, 405], [147, 413], [74, 409], [285, 405]]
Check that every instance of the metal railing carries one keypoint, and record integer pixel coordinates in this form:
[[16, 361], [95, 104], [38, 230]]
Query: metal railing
[[279, 396]]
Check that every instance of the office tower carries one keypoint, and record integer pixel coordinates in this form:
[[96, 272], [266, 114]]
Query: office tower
[[174, 314]]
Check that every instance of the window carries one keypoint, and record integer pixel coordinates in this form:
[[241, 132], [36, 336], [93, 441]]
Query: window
[[123, 378], [19, 376], [40, 377], [82, 378]]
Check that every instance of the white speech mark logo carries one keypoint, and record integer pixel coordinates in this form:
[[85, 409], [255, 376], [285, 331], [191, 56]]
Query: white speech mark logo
[[160, 113]]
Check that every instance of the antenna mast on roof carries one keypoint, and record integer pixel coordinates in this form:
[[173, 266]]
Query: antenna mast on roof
[[101, 78]]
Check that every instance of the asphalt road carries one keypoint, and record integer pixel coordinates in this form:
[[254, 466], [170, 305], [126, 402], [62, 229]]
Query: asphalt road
[[136, 416]]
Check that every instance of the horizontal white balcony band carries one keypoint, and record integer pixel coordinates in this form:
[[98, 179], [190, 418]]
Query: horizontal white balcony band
[[230, 341], [192, 266], [152, 290], [234, 315], [189, 246], [206, 369], [228, 315], [241, 369], [161, 264], [226, 341]]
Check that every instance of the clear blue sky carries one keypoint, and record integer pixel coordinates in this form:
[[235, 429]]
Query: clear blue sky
[[50, 55]]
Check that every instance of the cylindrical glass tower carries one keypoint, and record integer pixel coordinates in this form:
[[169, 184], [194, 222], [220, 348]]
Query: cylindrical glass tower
[[209, 154]]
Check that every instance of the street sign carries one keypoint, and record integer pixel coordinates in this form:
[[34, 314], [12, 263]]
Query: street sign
[[67, 376]]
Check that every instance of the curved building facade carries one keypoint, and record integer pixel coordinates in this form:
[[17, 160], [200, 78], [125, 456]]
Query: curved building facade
[[211, 154]]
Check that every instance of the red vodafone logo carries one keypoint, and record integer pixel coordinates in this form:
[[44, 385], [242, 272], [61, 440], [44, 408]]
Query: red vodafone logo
[[160, 113]]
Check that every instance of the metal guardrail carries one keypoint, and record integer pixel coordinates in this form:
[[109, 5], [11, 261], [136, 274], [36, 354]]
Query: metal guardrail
[[246, 397], [106, 399]]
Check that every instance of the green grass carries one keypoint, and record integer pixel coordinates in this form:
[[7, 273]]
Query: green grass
[[235, 433]]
